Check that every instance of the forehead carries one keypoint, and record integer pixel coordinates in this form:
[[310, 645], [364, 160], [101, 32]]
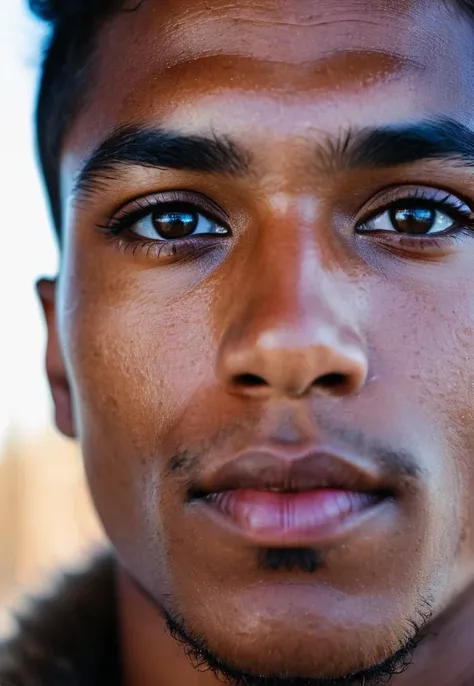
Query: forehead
[[277, 67]]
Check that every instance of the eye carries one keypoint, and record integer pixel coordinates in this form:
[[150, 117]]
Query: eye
[[412, 218], [174, 221]]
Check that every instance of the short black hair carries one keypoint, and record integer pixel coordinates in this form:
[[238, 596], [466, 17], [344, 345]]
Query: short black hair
[[67, 69]]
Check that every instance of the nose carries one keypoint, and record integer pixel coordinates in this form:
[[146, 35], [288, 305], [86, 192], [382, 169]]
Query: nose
[[292, 336]]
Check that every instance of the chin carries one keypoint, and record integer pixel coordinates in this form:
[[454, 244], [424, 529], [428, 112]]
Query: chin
[[271, 644]]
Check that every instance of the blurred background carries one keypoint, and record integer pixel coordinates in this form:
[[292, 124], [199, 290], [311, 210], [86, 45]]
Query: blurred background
[[46, 520]]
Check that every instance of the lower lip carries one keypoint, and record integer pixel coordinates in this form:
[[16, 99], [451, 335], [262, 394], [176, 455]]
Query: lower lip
[[291, 518]]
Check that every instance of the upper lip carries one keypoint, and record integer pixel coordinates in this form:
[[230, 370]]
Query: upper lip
[[270, 470]]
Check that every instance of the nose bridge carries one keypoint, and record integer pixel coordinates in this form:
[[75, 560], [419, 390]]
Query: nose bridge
[[290, 327], [290, 297]]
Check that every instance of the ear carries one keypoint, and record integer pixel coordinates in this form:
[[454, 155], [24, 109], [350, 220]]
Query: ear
[[55, 368]]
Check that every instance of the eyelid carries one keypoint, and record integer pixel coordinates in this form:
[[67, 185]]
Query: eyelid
[[139, 207], [437, 197]]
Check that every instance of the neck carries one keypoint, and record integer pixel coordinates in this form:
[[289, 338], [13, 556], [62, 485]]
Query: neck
[[445, 657], [150, 656]]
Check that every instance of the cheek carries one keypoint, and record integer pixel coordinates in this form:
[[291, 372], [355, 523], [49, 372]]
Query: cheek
[[427, 361], [423, 342], [135, 354], [134, 364]]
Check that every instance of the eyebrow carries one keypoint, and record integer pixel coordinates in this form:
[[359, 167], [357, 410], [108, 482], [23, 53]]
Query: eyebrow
[[391, 146], [376, 147], [160, 149]]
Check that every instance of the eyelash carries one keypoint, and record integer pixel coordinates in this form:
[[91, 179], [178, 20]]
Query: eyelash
[[126, 218], [450, 205], [117, 229]]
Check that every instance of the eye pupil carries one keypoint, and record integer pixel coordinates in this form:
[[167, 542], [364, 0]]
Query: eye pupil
[[414, 220], [175, 223]]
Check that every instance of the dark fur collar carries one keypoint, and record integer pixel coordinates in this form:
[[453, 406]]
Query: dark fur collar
[[69, 637]]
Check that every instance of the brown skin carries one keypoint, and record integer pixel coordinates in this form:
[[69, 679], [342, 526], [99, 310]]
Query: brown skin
[[150, 350]]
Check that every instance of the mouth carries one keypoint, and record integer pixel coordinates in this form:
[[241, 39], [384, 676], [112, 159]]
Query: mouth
[[278, 500]]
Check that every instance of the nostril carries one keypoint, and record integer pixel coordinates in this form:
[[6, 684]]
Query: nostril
[[332, 381], [250, 380]]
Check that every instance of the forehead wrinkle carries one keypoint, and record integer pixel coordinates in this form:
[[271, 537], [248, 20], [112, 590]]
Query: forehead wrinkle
[[176, 34], [294, 13], [352, 69], [187, 54], [381, 60], [189, 30]]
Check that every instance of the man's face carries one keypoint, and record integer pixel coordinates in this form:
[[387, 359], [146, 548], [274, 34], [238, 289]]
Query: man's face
[[266, 315]]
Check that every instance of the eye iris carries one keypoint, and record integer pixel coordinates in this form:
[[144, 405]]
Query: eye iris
[[413, 219], [175, 224]]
